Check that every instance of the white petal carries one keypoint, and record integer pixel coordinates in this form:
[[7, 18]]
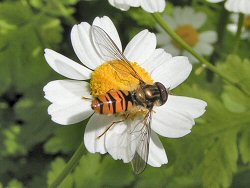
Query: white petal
[[238, 6], [163, 39], [171, 21], [157, 155], [153, 5], [185, 16], [190, 57], [178, 16], [96, 126], [174, 72], [125, 3], [215, 1], [141, 47], [120, 6], [194, 107], [208, 36], [66, 66], [203, 48], [169, 123], [156, 59], [70, 113], [66, 91], [170, 48], [117, 142], [245, 34], [107, 25], [83, 46], [133, 3], [232, 27], [198, 20], [234, 17]]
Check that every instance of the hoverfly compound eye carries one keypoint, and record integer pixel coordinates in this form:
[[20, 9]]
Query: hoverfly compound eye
[[163, 92]]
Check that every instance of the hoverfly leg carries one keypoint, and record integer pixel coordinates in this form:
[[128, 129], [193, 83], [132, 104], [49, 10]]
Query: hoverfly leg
[[105, 130], [86, 98], [113, 123]]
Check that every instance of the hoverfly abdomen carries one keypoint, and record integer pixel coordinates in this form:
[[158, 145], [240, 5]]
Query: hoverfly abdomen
[[113, 102]]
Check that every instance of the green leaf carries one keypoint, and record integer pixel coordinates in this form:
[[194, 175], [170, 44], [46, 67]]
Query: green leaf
[[12, 146], [56, 167], [235, 100], [36, 121], [242, 178], [15, 184], [149, 178], [25, 30], [237, 71], [21, 49], [244, 145], [18, 15], [66, 139], [219, 168], [96, 172], [115, 173], [86, 173]]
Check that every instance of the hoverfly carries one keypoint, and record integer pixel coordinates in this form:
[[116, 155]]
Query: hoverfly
[[113, 102]]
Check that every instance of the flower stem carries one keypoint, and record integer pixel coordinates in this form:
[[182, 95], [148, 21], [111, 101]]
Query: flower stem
[[69, 166], [178, 39], [238, 34]]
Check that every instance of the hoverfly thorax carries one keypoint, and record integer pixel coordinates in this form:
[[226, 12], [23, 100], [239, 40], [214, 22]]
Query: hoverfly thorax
[[151, 95]]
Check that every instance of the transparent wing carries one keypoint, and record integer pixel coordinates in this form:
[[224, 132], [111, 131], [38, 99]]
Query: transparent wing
[[109, 51], [140, 135]]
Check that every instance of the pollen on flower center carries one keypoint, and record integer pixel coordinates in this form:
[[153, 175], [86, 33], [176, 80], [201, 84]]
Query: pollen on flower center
[[247, 22], [105, 78], [188, 33]]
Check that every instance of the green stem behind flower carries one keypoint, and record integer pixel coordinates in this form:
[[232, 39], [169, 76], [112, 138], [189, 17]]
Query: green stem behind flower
[[238, 34], [69, 166]]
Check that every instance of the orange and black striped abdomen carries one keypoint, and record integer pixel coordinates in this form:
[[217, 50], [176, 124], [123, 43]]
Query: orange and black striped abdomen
[[113, 102]]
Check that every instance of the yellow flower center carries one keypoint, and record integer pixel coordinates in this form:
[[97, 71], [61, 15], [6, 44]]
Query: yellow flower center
[[188, 33], [247, 22], [105, 78]]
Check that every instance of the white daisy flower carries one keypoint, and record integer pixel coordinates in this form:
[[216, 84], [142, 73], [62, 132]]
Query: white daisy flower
[[187, 23], [233, 27], [237, 6], [148, 5], [70, 103]]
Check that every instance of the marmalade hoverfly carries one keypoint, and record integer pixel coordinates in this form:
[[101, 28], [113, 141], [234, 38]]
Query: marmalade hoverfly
[[113, 102]]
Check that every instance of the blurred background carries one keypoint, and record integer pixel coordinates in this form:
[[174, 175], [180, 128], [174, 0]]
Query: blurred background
[[33, 149]]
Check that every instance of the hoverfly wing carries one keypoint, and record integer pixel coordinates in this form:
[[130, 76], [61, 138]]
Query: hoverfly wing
[[105, 46], [109, 51], [141, 134]]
